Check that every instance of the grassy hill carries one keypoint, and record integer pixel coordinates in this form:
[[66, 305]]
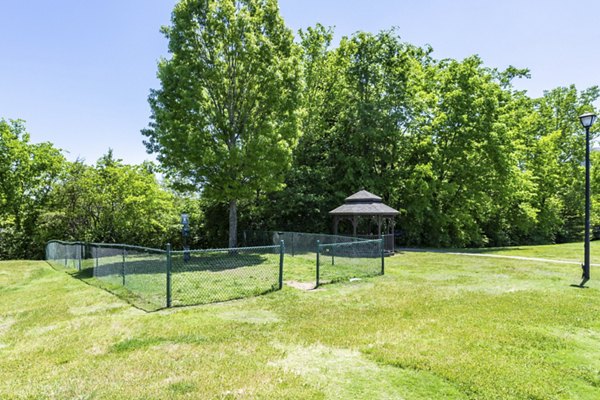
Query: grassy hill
[[436, 326]]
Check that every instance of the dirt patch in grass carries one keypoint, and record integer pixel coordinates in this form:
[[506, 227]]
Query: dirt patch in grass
[[301, 285]]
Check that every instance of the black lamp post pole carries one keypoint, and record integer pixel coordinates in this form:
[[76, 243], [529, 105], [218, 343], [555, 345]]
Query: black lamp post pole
[[587, 120], [586, 258]]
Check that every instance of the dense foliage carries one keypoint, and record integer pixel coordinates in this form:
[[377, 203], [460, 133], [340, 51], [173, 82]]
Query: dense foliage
[[27, 175], [467, 159], [45, 197], [280, 132]]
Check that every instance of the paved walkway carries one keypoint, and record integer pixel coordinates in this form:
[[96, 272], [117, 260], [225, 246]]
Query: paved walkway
[[493, 256]]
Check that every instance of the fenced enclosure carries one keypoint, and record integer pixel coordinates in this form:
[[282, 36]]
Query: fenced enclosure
[[344, 261], [154, 278]]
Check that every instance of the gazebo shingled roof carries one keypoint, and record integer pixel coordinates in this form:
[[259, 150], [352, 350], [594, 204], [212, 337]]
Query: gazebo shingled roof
[[364, 203]]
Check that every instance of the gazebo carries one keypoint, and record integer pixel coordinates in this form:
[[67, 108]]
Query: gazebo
[[362, 205]]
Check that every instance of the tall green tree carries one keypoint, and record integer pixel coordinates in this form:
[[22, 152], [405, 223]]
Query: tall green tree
[[225, 118]]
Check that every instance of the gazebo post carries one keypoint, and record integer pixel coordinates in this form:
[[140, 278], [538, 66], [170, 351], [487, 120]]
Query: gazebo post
[[393, 235], [354, 225], [336, 221], [379, 222]]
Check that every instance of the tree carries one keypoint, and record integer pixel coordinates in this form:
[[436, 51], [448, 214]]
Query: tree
[[27, 174], [557, 159], [225, 118]]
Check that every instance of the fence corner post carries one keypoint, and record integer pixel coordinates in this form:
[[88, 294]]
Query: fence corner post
[[292, 244], [382, 251], [318, 263], [80, 255], [281, 254], [168, 275], [123, 265]]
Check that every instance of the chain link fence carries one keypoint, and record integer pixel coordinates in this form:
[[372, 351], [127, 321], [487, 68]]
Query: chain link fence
[[65, 254], [208, 276], [357, 256], [345, 261], [154, 278], [389, 242], [139, 270]]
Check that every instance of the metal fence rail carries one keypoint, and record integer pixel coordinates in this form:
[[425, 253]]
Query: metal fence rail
[[296, 243]]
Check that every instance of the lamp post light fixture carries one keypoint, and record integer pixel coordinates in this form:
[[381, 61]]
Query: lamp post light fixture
[[587, 120]]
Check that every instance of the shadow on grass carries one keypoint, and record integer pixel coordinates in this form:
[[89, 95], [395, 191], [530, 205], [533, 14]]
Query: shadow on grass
[[205, 278], [482, 250], [150, 265]]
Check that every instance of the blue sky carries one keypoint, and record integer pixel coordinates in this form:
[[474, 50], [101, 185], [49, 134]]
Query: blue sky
[[79, 72]]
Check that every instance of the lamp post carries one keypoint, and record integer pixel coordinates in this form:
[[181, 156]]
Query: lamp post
[[587, 120]]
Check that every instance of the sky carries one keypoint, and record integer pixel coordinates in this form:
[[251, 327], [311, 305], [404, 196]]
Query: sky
[[79, 72]]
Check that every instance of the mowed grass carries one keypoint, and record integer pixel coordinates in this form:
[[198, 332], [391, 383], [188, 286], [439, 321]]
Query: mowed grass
[[436, 326], [564, 252]]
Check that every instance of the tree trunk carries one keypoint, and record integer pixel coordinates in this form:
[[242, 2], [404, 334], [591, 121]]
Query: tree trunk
[[232, 223]]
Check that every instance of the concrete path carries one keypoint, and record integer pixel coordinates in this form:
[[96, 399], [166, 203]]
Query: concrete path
[[493, 256]]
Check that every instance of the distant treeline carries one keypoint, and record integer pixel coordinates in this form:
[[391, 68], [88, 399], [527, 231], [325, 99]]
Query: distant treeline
[[466, 158]]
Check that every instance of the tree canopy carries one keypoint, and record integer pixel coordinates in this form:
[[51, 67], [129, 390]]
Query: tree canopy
[[225, 117], [279, 130]]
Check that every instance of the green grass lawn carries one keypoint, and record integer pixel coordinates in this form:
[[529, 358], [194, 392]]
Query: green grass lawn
[[566, 252], [434, 327]]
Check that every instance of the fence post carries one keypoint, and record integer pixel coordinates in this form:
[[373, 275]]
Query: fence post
[[79, 255], [281, 253], [333, 255], [123, 266], [318, 266], [292, 244], [381, 249], [96, 248], [168, 275]]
